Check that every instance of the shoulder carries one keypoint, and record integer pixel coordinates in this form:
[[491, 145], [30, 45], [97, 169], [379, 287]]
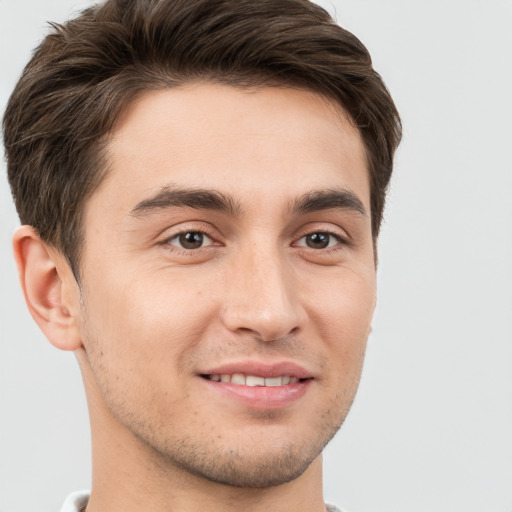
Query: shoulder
[[76, 501]]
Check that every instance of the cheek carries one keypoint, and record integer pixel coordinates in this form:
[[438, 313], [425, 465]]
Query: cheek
[[344, 307], [343, 315], [139, 338], [143, 322]]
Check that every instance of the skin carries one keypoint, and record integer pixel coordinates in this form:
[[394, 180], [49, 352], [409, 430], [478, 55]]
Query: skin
[[150, 317]]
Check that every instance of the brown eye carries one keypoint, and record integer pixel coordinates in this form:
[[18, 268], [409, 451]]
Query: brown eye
[[191, 240], [319, 240]]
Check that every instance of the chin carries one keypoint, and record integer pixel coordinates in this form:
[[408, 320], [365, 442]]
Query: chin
[[253, 471], [257, 464]]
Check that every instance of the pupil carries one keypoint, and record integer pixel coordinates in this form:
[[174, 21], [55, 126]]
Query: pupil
[[317, 240], [191, 240]]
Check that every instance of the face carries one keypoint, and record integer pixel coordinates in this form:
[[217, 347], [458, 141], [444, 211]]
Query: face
[[228, 278]]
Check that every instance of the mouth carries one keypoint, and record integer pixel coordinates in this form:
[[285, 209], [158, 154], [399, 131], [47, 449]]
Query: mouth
[[258, 385], [239, 379]]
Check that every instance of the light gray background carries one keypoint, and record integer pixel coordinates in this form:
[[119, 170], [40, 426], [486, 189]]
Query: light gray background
[[431, 428]]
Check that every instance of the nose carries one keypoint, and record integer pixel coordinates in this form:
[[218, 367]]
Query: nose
[[262, 298]]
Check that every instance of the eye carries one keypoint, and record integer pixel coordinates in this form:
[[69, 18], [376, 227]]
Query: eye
[[190, 240], [319, 240]]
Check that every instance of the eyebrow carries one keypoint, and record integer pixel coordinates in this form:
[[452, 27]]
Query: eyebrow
[[207, 199], [197, 198], [317, 200]]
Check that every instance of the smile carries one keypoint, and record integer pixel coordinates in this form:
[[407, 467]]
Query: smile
[[255, 391], [239, 379]]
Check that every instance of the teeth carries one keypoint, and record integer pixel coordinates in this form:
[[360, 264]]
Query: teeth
[[250, 380], [274, 381], [253, 380], [238, 378]]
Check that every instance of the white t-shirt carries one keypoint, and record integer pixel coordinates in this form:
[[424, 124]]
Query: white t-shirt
[[78, 500]]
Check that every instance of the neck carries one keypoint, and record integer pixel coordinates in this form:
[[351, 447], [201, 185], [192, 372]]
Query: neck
[[128, 476]]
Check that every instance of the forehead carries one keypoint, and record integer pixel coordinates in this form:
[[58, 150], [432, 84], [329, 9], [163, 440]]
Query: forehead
[[275, 142]]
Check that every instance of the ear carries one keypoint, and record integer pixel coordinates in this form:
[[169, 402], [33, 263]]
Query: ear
[[51, 292]]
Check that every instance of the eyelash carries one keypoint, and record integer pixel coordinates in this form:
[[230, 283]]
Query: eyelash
[[340, 241], [167, 241]]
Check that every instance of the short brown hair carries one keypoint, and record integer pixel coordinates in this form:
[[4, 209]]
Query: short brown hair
[[87, 70]]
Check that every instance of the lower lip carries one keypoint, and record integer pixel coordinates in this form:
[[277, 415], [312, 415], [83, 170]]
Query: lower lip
[[261, 397]]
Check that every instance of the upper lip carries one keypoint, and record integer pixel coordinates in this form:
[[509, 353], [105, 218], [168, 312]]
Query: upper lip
[[260, 369]]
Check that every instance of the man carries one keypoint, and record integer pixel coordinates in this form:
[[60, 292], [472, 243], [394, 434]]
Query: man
[[201, 185]]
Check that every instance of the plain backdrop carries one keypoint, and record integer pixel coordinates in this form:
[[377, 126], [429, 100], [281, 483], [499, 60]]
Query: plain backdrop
[[431, 427]]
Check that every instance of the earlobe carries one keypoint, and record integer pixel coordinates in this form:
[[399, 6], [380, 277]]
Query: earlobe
[[46, 281]]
